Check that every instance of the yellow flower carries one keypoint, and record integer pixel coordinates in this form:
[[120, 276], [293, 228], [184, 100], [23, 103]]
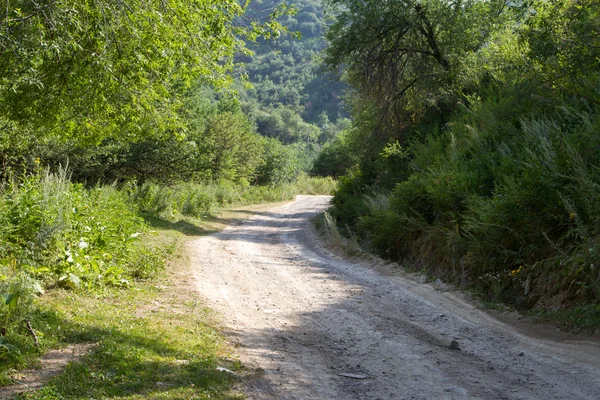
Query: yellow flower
[[37, 161], [572, 215], [514, 272]]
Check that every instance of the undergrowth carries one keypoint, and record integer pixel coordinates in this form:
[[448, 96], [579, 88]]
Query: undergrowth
[[73, 268], [347, 243], [199, 200], [58, 234], [501, 200]]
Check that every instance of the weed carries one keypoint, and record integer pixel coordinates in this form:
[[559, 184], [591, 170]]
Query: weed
[[202, 200]]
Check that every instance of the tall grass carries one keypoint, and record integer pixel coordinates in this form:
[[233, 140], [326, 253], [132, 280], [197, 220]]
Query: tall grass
[[202, 200], [65, 234], [54, 233]]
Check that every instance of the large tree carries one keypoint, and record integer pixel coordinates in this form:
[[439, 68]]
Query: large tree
[[405, 55], [94, 68]]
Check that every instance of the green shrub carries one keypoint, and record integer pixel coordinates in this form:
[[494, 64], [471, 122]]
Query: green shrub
[[63, 234], [56, 233], [501, 200]]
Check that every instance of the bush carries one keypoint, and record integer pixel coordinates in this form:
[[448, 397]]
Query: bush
[[503, 199], [56, 233], [63, 234], [198, 200]]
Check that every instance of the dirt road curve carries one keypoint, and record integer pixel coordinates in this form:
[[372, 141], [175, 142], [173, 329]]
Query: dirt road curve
[[305, 317]]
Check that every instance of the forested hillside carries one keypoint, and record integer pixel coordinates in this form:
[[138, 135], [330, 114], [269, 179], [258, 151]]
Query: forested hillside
[[475, 148], [286, 73], [288, 94]]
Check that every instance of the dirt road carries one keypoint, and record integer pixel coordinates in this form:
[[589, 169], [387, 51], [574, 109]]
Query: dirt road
[[304, 317]]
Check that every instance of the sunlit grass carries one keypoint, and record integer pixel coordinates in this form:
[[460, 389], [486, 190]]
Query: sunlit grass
[[156, 339]]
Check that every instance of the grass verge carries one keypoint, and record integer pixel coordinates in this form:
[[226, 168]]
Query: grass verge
[[155, 338]]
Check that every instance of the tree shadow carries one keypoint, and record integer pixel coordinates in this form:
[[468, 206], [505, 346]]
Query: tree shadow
[[129, 364]]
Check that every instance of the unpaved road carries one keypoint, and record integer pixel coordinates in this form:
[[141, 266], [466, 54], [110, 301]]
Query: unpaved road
[[303, 317]]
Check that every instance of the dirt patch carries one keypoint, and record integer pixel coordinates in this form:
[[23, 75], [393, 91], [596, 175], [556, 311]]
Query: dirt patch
[[51, 364]]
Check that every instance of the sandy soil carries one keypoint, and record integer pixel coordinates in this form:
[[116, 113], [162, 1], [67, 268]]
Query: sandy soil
[[302, 317]]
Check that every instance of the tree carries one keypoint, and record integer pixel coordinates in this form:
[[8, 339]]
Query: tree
[[404, 55], [564, 41], [91, 69], [281, 164], [230, 147]]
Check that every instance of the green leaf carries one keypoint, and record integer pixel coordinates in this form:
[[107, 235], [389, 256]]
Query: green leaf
[[7, 346], [10, 300]]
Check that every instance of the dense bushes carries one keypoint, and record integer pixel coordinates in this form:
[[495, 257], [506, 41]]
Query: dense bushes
[[520, 209], [494, 184], [510, 204]]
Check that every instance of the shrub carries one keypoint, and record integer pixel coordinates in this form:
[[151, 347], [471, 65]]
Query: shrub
[[199, 200], [63, 234], [56, 233], [502, 200]]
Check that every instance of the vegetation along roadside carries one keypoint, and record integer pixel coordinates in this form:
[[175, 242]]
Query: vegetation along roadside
[[475, 145], [81, 266], [465, 137]]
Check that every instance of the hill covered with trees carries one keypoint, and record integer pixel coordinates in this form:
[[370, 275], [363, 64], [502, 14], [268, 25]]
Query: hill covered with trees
[[292, 97]]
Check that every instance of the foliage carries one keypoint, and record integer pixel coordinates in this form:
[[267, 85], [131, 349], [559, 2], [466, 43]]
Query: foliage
[[565, 45], [285, 72], [335, 158], [148, 116], [405, 55], [62, 234], [203, 200], [235, 150], [218, 145], [97, 69], [488, 175], [281, 164], [152, 332], [55, 233]]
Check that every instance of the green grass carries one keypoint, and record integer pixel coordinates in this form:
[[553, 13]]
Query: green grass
[[156, 339], [202, 201]]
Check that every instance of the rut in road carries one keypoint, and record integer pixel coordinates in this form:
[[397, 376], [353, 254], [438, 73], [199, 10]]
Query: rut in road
[[305, 316]]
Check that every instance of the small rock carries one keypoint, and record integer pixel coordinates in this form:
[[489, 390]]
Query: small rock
[[454, 345], [353, 376], [160, 384], [221, 369], [521, 354]]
